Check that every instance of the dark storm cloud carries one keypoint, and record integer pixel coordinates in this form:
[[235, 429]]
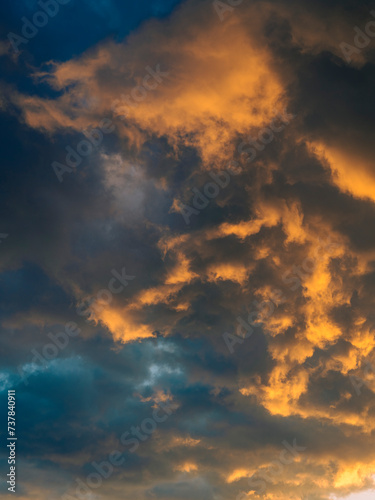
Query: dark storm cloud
[[162, 336]]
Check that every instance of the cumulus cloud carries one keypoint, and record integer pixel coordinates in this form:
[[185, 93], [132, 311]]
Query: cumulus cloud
[[285, 246]]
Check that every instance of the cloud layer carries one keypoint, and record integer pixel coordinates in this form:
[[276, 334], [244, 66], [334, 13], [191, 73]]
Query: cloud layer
[[253, 314]]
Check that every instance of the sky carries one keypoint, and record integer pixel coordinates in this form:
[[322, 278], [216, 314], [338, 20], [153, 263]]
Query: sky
[[187, 255], [361, 496]]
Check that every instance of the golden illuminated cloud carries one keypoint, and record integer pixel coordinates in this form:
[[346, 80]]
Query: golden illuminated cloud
[[279, 230]]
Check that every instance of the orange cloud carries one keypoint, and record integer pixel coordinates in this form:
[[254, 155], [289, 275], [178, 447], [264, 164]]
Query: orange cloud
[[219, 82], [351, 172]]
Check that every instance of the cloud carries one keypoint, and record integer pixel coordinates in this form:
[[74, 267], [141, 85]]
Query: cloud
[[294, 220]]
